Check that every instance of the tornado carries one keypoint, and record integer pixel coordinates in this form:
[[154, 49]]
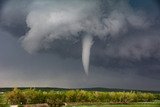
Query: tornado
[[86, 47]]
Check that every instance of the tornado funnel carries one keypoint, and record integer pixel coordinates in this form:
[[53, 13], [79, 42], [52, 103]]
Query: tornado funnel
[[86, 47]]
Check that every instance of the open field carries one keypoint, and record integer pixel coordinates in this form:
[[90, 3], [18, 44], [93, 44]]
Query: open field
[[138, 104], [4, 105], [117, 106]]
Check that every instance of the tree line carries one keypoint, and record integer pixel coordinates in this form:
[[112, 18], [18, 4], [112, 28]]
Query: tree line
[[32, 96]]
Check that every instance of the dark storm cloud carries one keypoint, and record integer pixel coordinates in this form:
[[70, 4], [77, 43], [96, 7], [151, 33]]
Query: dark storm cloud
[[66, 48], [137, 51], [13, 16], [2, 2], [115, 14], [129, 50]]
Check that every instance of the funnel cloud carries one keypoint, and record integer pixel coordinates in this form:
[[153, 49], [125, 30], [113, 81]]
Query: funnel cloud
[[86, 47]]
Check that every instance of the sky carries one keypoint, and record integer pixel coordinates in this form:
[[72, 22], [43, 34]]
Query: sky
[[80, 43]]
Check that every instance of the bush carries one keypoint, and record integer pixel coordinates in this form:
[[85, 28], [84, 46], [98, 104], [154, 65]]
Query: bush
[[157, 97], [1, 99], [101, 97], [33, 97], [71, 96], [55, 98], [15, 97]]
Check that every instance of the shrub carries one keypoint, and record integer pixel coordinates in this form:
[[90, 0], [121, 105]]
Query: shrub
[[157, 96], [55, 98], [33, 97], [71, 96], [15, 97], [1, 99]]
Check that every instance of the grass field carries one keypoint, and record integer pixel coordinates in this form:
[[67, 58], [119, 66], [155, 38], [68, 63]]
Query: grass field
[[3, 105], [140, 104], [145, 105], [118, 106]]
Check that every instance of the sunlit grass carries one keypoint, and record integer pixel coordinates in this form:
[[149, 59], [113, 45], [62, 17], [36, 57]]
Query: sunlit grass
[[117, 106]]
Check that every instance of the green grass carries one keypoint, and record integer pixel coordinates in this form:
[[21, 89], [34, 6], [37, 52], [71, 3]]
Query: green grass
[[117, 106], [139, 104], [4, 105]]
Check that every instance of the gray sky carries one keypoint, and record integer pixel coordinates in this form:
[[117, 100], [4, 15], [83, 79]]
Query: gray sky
[[41, 43]]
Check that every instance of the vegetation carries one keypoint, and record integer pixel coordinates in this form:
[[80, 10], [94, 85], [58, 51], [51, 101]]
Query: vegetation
[[53, 98], [1, 98], [117, 106], [86, 89]]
